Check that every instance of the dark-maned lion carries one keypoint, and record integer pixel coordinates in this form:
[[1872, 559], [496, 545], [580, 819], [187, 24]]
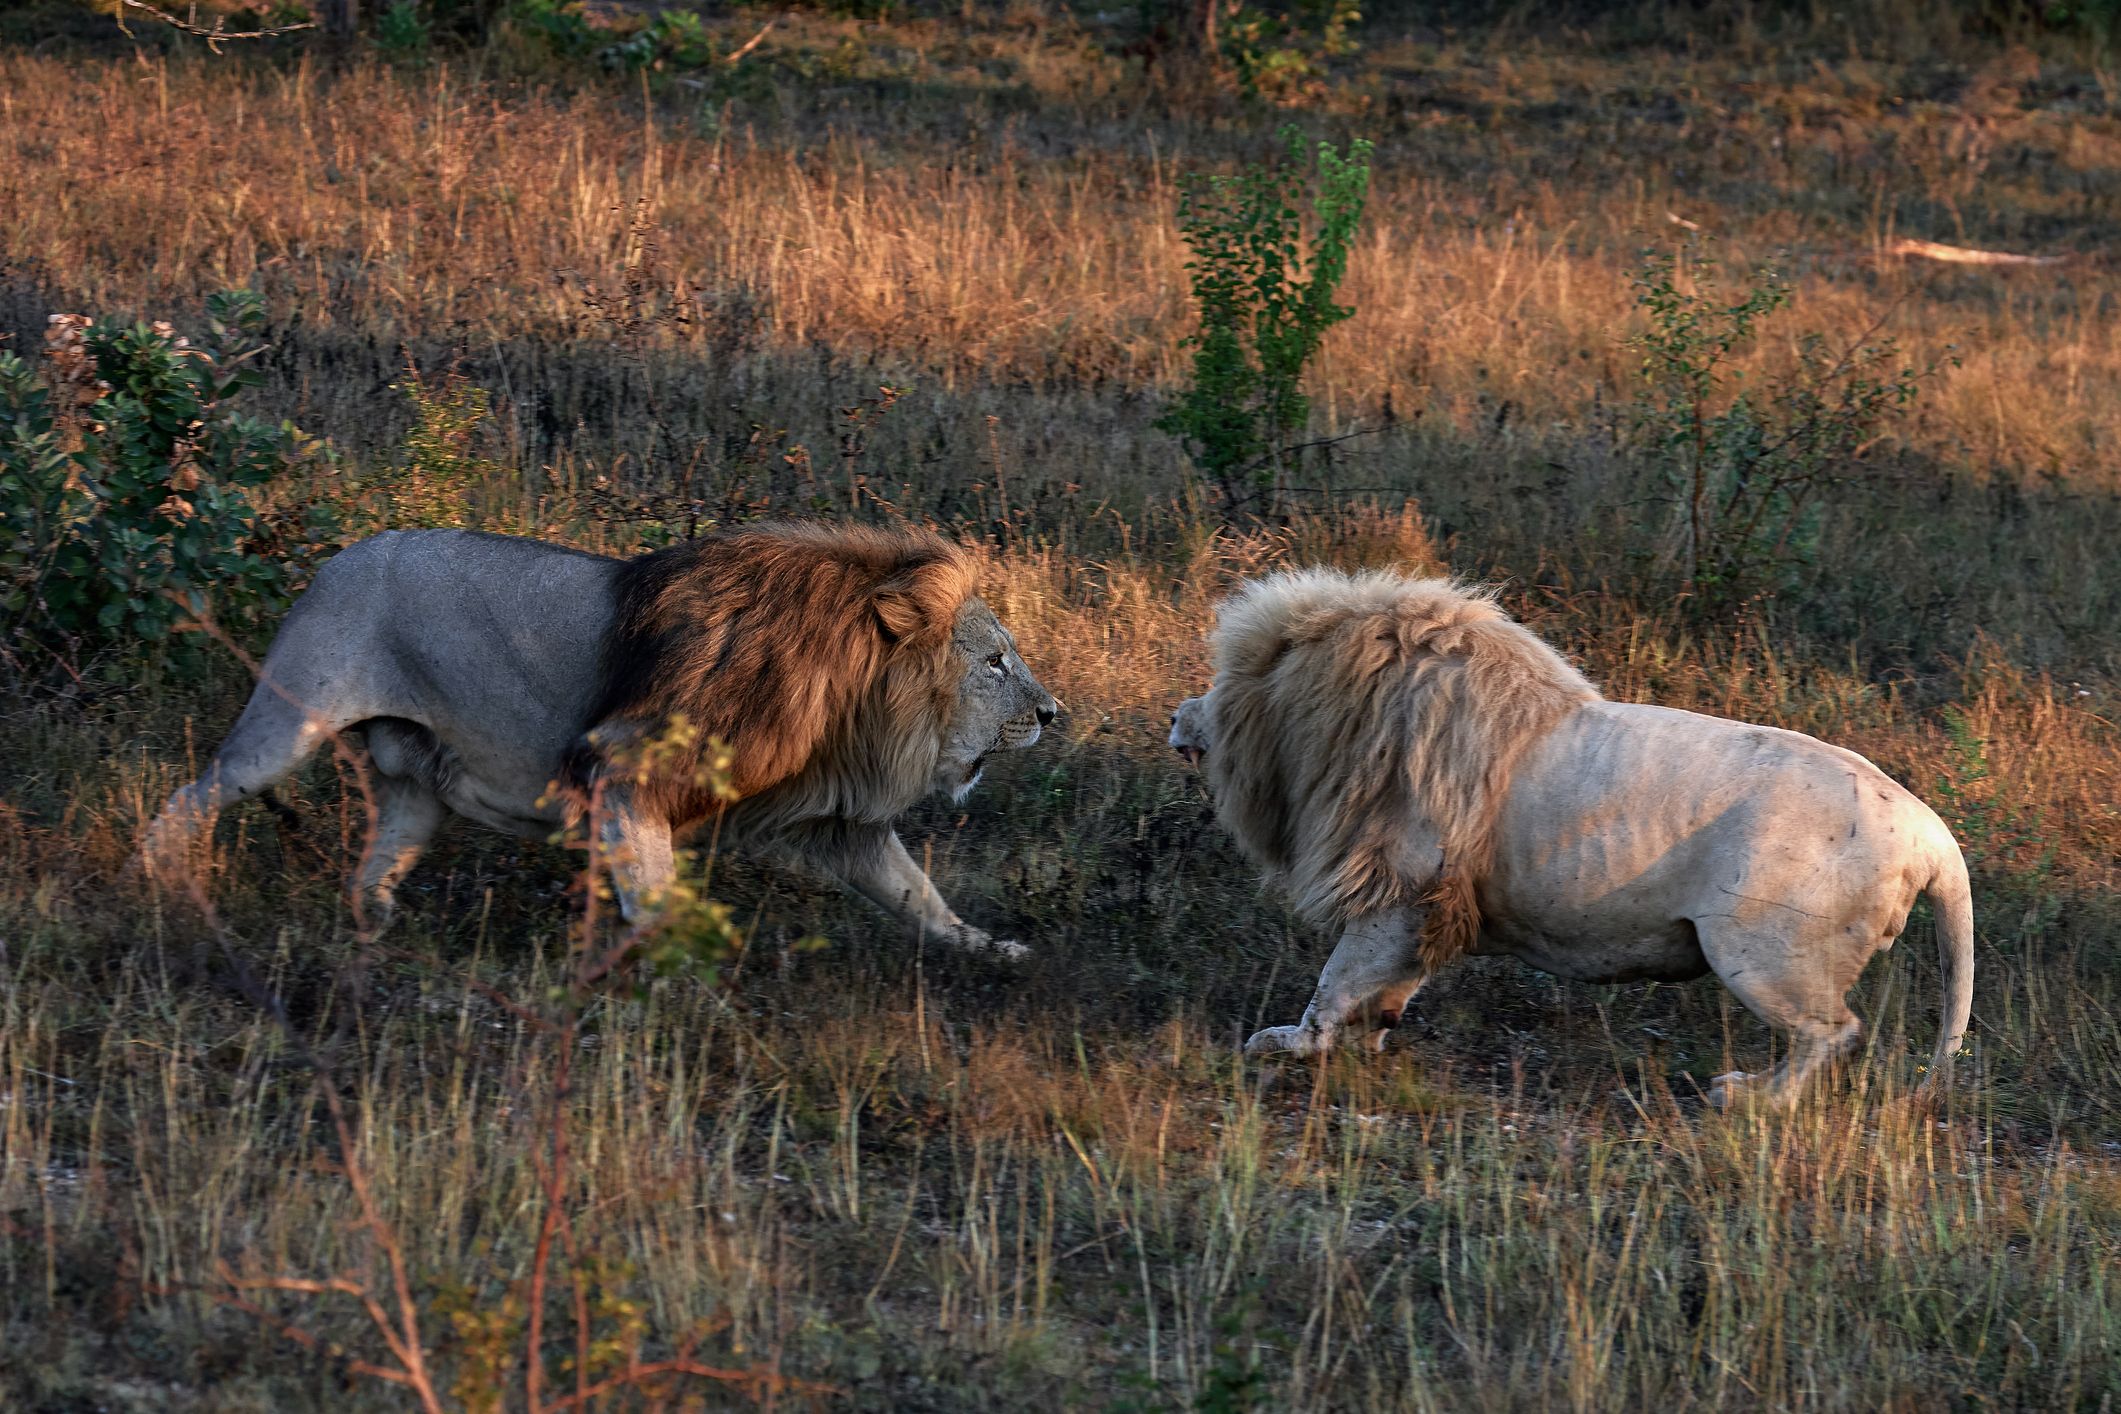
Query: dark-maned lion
[[852, 670], [1430, 777]]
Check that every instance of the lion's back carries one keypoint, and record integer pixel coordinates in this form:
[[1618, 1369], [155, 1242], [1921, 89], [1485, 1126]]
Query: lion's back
[[429, 565], [489, 642], [1629, 815]]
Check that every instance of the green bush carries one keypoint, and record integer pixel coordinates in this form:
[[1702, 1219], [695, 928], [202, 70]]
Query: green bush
[[1276, 53], [1264, 306], [403, 30], [128, 488], [1747, 463], [668, 39], [442, 465], [673, 39], [557, 26]]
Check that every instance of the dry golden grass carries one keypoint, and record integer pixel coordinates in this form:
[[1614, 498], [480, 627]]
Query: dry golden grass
[[935, 1210], [1513, 198], [936, 1184]]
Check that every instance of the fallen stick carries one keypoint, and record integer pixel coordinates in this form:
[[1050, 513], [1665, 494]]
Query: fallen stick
[[753, 43], [1964, 255]]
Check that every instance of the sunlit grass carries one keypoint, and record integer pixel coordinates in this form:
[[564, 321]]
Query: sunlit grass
[[932, 1182]]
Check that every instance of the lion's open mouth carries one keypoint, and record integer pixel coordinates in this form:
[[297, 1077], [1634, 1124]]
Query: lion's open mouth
[[1191, 755]]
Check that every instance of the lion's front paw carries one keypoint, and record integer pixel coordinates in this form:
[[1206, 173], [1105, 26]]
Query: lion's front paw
[[973, 939], [1277, 1039]]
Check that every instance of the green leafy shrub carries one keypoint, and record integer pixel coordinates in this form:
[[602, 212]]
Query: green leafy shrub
[[669, 39], [130, 488], [403, 29], [442, 463], [1276, 53], [557, 26], [673, 39], [1264, 305], [1747, 463]]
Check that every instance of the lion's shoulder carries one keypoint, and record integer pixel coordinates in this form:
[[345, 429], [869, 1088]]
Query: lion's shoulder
[[776, 638]]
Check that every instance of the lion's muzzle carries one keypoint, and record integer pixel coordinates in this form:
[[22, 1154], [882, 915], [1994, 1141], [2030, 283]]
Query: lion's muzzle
[[1020, 732], [1188, 732]]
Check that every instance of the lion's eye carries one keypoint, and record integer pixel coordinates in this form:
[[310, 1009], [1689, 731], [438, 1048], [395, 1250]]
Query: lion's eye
[[995, 660]]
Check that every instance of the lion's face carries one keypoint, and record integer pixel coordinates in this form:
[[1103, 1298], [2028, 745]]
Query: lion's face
[[1000, 705], [1189, 730]]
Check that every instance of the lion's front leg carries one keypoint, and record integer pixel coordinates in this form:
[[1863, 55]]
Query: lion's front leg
[[1367, 982], [636, 847], [872, 860]]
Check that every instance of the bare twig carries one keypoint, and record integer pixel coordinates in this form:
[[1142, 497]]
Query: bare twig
[[218, 32], [308, 1340], [1333, 441], [753, 42], [1259, 493]]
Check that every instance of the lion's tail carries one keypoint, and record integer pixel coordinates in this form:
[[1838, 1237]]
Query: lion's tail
[[1953, 902]]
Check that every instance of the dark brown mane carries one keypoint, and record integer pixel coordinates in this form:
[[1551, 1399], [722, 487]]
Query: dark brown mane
[[785, 640]]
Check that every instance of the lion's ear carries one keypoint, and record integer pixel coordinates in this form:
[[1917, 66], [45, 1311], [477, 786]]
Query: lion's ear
[[920, 601]]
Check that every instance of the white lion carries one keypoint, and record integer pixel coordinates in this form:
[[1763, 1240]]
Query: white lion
[[1422, 772]]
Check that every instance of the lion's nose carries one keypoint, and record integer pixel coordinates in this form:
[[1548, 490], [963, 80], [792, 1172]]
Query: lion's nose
[[1048, 712]]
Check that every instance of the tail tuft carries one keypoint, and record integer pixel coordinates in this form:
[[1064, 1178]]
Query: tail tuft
[[1952, 899]]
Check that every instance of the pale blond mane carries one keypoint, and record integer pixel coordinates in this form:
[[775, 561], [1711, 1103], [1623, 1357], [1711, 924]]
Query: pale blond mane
[[1350, 708]]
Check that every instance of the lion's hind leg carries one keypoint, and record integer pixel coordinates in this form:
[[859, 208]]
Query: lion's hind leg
[[407, 815], [1374, 970], [1797, 984], [270, 739]]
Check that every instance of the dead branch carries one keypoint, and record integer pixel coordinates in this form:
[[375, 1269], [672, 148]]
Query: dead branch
[[218, 33], [308, 1340], [753, 42]]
